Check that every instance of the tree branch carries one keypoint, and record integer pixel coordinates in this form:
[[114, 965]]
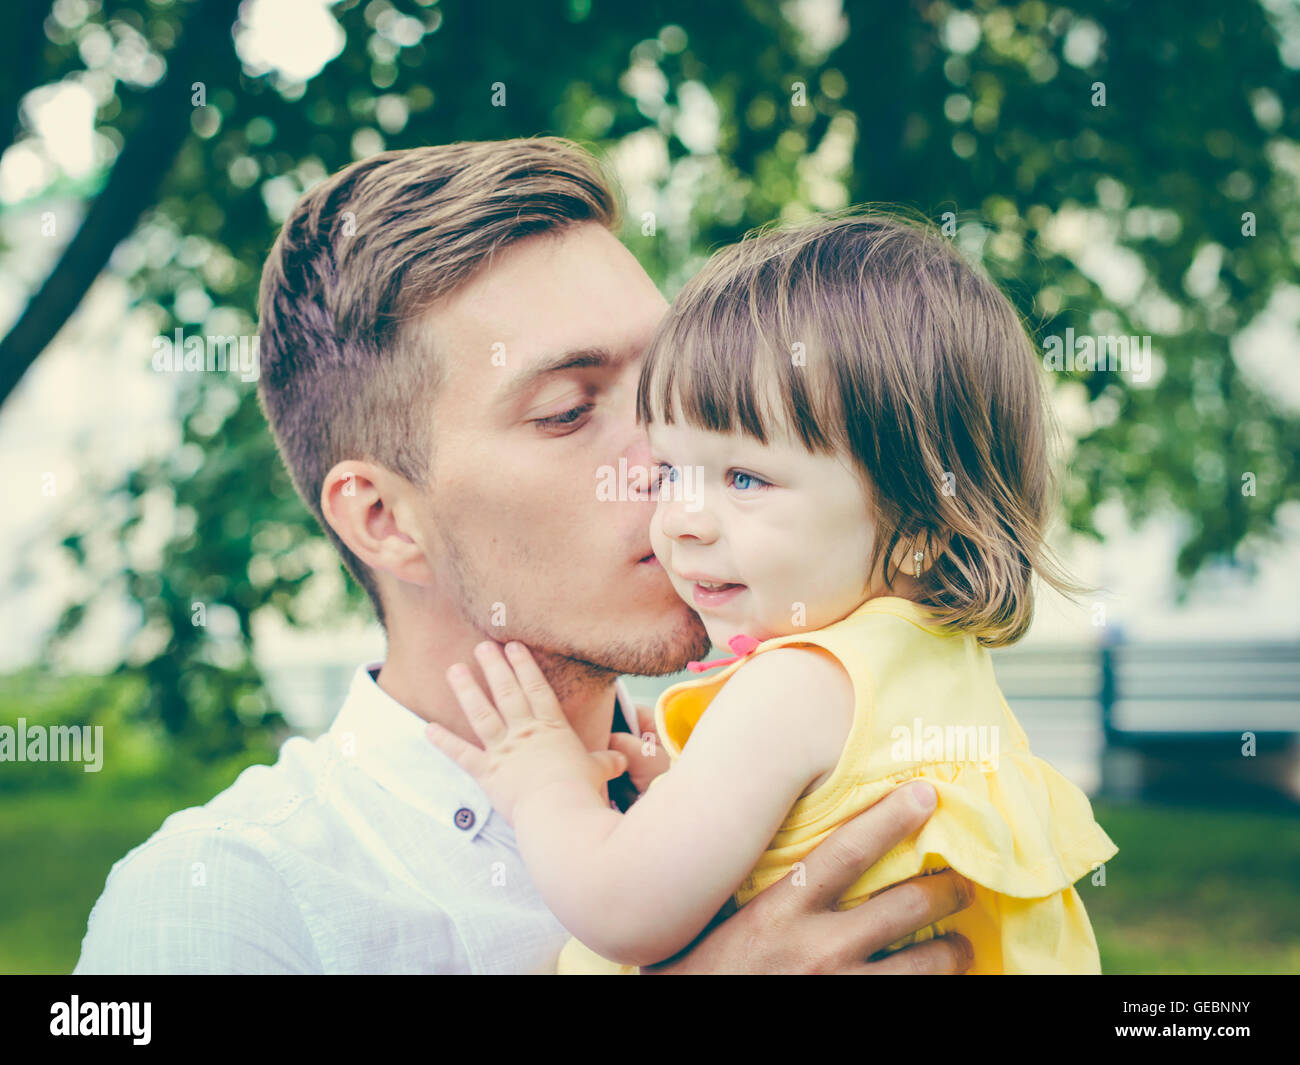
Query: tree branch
[[131, 187]]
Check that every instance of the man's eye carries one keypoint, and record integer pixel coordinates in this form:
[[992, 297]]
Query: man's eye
[[744, 481], [662, 473], [568, 418]]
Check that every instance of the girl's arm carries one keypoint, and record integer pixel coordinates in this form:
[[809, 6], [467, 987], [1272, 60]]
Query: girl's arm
[[639, 887]]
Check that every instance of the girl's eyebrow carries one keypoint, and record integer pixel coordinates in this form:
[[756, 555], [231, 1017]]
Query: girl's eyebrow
[[582, 359]]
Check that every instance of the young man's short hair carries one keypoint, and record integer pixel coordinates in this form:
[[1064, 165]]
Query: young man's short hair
[[346, 371]]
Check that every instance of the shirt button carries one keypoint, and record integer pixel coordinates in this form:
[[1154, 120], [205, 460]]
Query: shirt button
[[465, 818]]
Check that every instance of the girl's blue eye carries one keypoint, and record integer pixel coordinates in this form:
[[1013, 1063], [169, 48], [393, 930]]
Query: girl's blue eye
[[667, 472], [742, 481]]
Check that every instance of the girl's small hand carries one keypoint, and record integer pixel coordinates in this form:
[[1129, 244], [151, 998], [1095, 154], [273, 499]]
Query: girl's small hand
[[528, 743], [646, 757]]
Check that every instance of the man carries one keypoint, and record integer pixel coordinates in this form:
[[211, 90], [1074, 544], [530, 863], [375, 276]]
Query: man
[[450, 342]]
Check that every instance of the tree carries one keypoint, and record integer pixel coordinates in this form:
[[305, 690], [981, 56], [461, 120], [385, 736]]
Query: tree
[[1158, 132]]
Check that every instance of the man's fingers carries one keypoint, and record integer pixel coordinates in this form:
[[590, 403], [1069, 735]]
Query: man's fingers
[[949, 955], [900, 910], [853, 848]]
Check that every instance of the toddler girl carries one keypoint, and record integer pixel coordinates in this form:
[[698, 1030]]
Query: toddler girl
[[863, 421]]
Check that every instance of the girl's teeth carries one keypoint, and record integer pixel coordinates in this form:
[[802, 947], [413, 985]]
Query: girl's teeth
[[710, 585]]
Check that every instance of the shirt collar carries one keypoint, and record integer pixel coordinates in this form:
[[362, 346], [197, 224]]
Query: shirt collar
[[387, 742]]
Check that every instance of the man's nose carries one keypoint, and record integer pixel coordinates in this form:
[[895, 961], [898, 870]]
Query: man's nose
[[638, 461]]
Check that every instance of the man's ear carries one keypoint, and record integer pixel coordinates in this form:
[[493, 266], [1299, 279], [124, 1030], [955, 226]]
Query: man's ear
[[370, 508]]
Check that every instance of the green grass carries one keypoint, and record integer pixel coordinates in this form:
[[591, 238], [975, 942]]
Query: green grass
[[1191, 891], [1197, 890], [61, 829]]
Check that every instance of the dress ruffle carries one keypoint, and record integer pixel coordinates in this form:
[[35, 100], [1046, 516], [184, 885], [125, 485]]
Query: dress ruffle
[[1013, 825], [1021, 829]]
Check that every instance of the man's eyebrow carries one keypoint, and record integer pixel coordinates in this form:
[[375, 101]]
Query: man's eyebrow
[[582, 359]]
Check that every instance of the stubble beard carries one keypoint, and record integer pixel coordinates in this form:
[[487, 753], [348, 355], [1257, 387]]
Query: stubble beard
[[571, 669]]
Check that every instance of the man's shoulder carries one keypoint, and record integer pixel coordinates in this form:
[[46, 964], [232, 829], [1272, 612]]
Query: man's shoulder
[[204, 864], [259, 803]]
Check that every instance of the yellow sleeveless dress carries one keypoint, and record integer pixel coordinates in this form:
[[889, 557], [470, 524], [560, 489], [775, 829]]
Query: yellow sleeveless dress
[[927, 706]]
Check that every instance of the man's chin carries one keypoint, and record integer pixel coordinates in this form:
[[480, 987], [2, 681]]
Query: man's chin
[[658, 653]]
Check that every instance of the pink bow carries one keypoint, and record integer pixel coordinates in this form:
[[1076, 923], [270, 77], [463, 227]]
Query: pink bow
[[743, 645]]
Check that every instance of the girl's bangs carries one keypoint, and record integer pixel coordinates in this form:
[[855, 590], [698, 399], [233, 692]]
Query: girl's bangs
[[722, 369]]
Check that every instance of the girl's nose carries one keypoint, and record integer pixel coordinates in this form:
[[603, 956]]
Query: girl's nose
[[685, 519]]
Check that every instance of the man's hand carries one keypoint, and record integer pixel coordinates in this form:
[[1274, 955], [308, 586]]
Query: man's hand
[[790, 929]]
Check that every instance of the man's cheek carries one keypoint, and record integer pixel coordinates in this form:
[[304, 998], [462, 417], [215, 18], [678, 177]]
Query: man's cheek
[[659, 543]]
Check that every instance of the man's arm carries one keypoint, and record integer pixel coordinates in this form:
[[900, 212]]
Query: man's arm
[[791, 929], [196, 902]]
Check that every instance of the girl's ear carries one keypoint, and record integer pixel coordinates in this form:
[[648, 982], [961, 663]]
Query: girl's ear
[[930, 545], [903, 561], [938, 545]]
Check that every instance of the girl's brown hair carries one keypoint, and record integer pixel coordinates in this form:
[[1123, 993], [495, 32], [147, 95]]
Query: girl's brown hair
[[871, 336]]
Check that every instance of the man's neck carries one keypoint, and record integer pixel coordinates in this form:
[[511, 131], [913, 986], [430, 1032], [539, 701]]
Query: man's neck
[[414, 674]]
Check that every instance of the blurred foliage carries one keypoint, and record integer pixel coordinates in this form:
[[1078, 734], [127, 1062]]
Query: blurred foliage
[[136, 754], [720, 118]]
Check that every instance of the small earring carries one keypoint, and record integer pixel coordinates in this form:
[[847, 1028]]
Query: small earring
[[918, 558]]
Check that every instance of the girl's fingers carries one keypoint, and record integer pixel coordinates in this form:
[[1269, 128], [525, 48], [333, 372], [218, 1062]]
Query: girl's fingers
[[613, 764], [625, 744], [635, 749], [465, 755], [506, 692], [537, 689], [646, 720], [481, 714]]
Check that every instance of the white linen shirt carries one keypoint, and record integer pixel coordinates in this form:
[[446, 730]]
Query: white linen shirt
[[366, 850]]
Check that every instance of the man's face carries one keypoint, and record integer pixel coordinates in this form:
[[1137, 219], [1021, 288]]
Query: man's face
[[542, 353]]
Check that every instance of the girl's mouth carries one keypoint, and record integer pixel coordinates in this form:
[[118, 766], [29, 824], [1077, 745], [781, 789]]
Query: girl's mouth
[[709, 595]]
